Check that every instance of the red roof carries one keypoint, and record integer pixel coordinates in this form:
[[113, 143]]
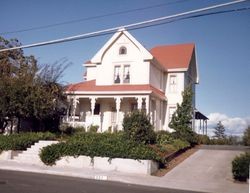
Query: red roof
[[87, 62], [173, 56], [90, 86]]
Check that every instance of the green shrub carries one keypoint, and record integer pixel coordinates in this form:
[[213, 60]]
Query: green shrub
[[246, 136], [164, 137], [23, 140], [98, 144], [180, 144], [138, 128], [79, 129], [93, 128], [224, 141], [66, 129], [203, 139], [240, 167]]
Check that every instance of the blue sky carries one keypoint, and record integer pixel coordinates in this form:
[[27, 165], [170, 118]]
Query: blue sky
[[222, 43]]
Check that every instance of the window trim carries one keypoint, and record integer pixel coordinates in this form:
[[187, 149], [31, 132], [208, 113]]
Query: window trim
[[122, 50], [173, 87], [125, 80], [171, 115], [119, 74]]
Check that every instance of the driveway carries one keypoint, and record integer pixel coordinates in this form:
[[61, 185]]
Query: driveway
[[208, 170]]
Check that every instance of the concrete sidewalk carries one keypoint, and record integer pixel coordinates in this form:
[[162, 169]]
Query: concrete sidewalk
[[205, 171]]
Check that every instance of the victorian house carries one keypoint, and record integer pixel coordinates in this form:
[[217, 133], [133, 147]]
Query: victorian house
[[123, 76]]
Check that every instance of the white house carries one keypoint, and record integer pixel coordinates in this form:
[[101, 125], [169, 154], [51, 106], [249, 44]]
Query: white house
[[124, 76]]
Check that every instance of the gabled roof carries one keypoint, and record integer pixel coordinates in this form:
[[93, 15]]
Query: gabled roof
[[99, 55], [91, 87], [174, 56]]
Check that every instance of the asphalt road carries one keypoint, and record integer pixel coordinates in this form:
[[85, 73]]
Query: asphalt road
[[23, 182]]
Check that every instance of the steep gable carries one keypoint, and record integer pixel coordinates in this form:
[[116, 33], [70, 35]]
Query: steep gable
[[97, 59]]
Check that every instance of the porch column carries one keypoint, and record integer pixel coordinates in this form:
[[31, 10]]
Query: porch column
[[206, 126], [68, 112], [139, 103], [92, 101], [118, 106], [75, 102]]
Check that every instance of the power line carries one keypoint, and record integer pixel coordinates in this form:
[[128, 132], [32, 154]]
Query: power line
[[92, 17], [143, 24], [192, 16]]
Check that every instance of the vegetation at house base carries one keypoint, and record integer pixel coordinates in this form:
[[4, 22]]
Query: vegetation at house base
[[137, 127], [112, 145], [22, 141], [137, 141], [181, 119], [166, 144], [28, 91], [240, 167], [68, 130]]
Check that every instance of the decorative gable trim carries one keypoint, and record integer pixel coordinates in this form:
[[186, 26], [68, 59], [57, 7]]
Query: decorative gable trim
[[97, 59]]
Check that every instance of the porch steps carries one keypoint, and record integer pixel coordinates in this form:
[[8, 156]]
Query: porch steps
[[31, 155]]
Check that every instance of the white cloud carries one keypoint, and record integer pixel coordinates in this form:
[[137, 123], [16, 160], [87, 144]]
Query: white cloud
[[233, 125]]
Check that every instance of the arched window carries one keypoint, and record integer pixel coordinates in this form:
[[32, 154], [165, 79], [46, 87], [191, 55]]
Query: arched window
[[122, 50]]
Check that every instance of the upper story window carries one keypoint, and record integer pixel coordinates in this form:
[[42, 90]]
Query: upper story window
[[173, 83], [126, 74], [171, 113], [122, 50], [117, 74]]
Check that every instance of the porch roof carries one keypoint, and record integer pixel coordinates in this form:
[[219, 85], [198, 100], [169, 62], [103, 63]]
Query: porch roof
[[200, 116], [90, 86]]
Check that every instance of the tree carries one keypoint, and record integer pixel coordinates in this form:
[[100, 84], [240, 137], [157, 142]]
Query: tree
[[219, 131], [246, 136], [181, 119], [16, 74], [28, 91]]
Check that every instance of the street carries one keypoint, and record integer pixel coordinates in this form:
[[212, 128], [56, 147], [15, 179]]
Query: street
[[23, 182]]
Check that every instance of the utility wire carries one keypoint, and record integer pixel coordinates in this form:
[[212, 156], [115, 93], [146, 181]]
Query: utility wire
[[193, 16], [92, 17], [130, 26]]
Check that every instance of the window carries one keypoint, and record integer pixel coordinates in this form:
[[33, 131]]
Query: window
[[173, 83], [122, 50], [117, 74], [97, 109], [126, 74], [171, 112]]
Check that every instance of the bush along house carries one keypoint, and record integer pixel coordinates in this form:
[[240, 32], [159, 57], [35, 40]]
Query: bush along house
[[124, 76]]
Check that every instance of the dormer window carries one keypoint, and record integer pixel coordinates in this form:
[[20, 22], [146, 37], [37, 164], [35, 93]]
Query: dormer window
[[122, 50]]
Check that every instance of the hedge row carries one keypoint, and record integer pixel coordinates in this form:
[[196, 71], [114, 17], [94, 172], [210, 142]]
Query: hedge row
[[112, 145], [23, 140]]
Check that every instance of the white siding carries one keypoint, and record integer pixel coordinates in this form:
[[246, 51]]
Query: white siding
[[156, 77], [139, 70], [91, 73]]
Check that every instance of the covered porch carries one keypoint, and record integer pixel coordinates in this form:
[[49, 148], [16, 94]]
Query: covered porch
[[202, 125], [107, 111]]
